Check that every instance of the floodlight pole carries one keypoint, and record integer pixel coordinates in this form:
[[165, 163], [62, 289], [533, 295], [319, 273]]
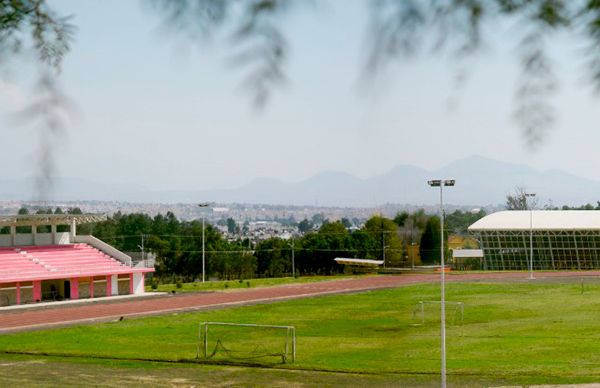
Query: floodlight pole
[[527, 195], [203, 205], [441, 183]]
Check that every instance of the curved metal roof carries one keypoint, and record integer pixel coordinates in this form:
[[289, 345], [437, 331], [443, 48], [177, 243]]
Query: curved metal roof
[[363, 262], [540, 220]]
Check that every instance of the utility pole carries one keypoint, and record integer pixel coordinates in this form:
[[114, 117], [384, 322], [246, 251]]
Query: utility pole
[[142, 249], [383, 245], [293, 261], [412, 247]]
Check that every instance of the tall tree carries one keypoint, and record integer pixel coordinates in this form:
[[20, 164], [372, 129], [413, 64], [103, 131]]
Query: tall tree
[[231, 226], [317, 251], [388, 242], [459, 221], [430, 241], [401, 218], [273, 257], [305, 226], [519, 200]]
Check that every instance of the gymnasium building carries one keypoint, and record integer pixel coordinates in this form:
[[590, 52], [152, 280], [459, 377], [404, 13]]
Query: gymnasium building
[[552, 239], [43, 259]]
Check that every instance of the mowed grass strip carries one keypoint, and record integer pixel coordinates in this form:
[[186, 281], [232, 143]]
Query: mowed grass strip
[[537, 332], [220, 285]]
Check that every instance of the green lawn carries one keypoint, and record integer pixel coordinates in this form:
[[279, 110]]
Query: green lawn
[[38, 371], [219, 285], [512, 333]]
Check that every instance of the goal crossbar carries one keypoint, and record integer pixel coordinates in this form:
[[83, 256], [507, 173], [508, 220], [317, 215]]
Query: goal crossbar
[[459, 305], [290, 332]]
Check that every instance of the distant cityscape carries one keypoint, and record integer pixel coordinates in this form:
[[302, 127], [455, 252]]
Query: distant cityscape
[[255, 221]]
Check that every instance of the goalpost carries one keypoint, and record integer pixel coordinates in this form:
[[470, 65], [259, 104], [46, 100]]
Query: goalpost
[[457, 311], [245, 341]]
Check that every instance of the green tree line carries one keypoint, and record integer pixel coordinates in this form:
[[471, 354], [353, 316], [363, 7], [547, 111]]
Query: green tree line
[[177, 244]]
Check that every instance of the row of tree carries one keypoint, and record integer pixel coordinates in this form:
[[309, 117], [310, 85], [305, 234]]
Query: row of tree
[[178, 245]]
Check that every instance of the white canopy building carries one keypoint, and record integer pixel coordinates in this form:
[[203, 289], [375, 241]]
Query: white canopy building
[[562, 239]]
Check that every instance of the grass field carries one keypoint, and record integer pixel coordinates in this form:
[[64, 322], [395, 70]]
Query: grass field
[[513, 333], [220, 285]]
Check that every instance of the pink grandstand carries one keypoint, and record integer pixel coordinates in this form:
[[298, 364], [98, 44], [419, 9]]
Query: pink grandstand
[[57, 265]]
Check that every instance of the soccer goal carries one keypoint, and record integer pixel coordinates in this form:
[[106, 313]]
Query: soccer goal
[[429, 311], [245, 341]]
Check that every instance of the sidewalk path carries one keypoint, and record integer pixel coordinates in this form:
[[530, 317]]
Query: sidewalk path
[[65, 315]]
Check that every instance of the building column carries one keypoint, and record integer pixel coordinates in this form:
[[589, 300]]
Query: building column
[[73, 231], [74, 288], [18, 293], [91, 287], [108, 285], [138, 283], [114, 283], [131, 283], [53, 231], [13, 235], [37, 290]]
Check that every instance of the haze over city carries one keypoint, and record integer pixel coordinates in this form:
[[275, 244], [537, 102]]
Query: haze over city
[[361, 193], [157, 111]]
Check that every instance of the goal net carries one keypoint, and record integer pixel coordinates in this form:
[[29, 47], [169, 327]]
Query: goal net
[[246, 342], [429, 311]]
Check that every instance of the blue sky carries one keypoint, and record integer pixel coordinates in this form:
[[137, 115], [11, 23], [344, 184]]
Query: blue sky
[[159, 112]]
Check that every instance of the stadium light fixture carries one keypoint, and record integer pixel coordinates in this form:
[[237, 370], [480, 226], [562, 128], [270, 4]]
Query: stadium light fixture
[[441, 183], [203, 205], [530, 195]]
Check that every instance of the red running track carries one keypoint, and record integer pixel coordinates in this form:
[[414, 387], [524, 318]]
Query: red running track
[[64, 315]]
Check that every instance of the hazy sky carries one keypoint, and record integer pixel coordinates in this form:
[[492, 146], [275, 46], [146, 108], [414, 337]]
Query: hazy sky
[[157, 111]]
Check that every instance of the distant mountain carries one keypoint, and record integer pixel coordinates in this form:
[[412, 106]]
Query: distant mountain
[[479, 182]]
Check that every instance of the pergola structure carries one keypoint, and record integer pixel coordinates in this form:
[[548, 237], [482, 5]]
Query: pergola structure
[[560, 239], [9, 224]]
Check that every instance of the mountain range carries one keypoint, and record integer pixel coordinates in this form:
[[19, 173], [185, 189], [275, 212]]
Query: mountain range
[[480, 181]]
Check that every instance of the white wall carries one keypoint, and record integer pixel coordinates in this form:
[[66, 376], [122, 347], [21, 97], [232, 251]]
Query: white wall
[[63, 238], [43, 239], [138, 283], [23, 239], [5, 240], [114, 280], [40, 239]]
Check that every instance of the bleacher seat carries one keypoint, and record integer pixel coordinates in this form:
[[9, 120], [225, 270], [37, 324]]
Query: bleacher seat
[[65, 261]]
